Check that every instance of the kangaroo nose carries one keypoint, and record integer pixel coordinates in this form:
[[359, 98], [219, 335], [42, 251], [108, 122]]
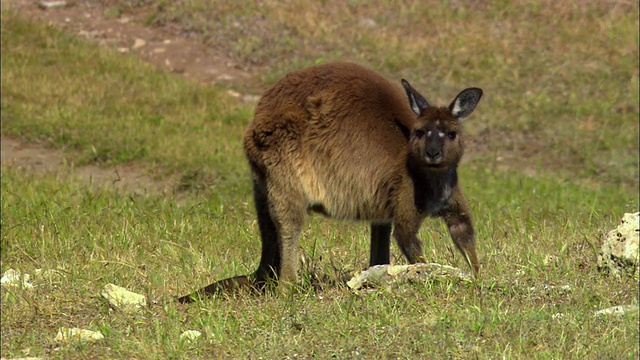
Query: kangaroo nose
[[433, 153]]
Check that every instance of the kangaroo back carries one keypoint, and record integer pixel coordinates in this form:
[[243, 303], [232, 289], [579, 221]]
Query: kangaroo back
[[324, 126]]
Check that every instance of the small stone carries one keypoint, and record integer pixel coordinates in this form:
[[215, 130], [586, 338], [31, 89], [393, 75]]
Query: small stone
[[190, 335], [616, 310], [549, 288], [13, 279], [394, 270], [224, 77], [66, 335], [123, 299], [138, 43], [232, 93], [619, 252], [368, 277], [368, 22], [383, 275], [159, 50], [91, 35], [251, 99], [551, 259], [51, 4]]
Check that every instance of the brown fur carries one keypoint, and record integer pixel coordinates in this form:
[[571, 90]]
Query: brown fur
[[341, 140]]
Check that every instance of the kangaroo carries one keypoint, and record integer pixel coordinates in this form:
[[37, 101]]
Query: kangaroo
[[343, 141]]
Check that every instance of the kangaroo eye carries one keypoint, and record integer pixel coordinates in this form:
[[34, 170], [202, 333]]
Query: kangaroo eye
[[419, 133], [452, 135]]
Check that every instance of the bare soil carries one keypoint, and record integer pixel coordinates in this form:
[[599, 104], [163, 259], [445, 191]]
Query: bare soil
[[35, 158]]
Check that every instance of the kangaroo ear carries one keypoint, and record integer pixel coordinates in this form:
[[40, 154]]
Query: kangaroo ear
[[417, 101], [465, 103]]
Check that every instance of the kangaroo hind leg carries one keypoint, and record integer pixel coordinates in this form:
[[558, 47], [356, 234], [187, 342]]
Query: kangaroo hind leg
[[288, 212], [380, 242], [270, 259]]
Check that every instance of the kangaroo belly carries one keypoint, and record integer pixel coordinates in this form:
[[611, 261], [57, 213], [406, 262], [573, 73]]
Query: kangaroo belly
[[346, 195]]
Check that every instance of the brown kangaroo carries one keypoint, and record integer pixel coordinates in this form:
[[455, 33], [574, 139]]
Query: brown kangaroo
[[341, 140]]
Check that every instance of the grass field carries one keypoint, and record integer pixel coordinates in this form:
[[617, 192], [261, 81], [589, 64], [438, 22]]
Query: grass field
[[552, 167]]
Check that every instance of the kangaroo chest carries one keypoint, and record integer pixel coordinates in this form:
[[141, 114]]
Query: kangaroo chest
[[433, 193]]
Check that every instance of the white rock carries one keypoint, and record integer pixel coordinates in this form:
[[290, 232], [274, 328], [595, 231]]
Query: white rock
[[52, 4], [251, 99], [76, 334], [382, 275], [224, 77], [397, 269], [190, 335], [13, 279], [138, 43], [617, 310], [123, 299], [619, 252], [368, 22]]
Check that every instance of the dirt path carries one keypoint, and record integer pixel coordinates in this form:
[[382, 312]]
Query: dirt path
[[35, 158], [159, 46]]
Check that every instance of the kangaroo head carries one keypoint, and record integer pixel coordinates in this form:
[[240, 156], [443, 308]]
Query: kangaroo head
[[436, 139]]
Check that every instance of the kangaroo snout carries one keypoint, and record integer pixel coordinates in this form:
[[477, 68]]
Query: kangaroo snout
[[434, 155]]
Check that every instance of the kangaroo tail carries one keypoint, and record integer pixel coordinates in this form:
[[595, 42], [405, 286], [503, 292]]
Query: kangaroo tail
[[225, 286]]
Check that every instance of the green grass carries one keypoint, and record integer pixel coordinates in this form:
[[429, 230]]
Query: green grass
[[537, 227], [154, 246], [114, 109]]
